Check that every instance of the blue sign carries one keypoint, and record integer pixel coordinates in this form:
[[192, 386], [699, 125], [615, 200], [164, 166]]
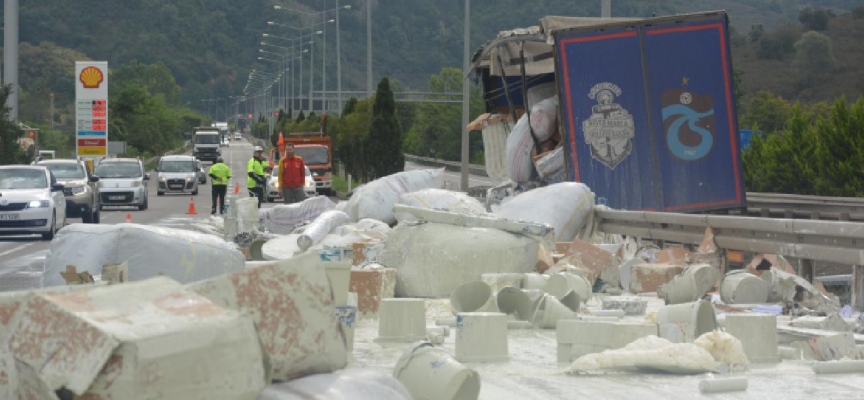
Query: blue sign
[[746, 134], [92, 133]]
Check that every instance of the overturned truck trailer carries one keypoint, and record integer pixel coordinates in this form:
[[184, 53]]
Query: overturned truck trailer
[[646, 115]]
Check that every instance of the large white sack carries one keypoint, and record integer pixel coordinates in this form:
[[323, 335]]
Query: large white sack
[[357, 384], [541, 92], [376, 199], [184, 256], [544, 118], [432, 260], [520, 169], [321, 227], [282, 219], [439, 199], [565, 206]]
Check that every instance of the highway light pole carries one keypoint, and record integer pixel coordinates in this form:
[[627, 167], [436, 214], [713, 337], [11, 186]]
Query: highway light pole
[[338, 63], [369, 49]]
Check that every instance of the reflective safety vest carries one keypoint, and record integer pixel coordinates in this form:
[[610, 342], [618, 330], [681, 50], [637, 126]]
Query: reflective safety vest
[[222, 172], [256, 167]]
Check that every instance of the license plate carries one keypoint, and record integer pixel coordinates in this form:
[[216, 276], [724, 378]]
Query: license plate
[[116, 197], [9, 217], [176, 186]]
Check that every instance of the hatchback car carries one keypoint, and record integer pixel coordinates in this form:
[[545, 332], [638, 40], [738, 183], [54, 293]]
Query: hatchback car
[[122, 182], [31, 201], [274, 192], [81, 188], [237, 136], [177, 174]]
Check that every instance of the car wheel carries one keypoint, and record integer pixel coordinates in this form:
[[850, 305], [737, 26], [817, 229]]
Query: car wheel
[[160, 193], [87, 217], [143, 207], [50, 234], [270, 200], [195, 192], [96, 217]]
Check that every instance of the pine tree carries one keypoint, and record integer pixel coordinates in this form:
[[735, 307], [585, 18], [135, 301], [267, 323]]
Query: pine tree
[[384, 148], [10, 151], [300, 117], [349, 106]]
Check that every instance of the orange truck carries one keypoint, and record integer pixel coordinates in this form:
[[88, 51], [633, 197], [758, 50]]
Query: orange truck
[[316, 149]]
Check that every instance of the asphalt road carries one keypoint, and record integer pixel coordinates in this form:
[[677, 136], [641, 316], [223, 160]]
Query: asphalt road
[[23, 255]]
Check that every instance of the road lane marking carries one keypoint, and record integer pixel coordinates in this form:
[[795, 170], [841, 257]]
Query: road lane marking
[[14, 249]]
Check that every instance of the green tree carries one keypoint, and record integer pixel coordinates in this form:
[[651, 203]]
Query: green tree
[[778, 43], [814, 19], [351, 133], [858, 12], [814, 58], [767, 112], [756, 32], [156, 78], [839, 153], [384, 149], [349, 106], [10, 151], [300, 117]]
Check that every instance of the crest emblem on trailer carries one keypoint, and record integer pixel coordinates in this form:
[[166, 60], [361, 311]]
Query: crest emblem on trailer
[[610, 129], [688, 123]]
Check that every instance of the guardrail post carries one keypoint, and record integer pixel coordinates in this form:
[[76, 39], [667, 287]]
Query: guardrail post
[[858, 287], [844, 216], [806, 269]]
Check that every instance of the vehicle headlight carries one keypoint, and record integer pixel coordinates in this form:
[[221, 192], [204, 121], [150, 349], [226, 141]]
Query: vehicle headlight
[[189, 178], [162, 179], [136, 184], [77, 189], [276, 184], [38, 204], [310, 183]]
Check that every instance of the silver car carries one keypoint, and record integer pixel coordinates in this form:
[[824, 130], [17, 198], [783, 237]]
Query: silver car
[[122, 182], [275, 193], [202, 172], [81, 188], [177, 174]]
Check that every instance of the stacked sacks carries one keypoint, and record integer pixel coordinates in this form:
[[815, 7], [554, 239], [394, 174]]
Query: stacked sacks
[[376, 199], [564, 206]]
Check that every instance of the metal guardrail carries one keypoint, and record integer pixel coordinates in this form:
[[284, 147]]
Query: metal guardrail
[[186, 146], [766, 205], [832, 241]]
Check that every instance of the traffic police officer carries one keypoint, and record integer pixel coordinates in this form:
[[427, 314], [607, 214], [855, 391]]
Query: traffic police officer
[[219, 173]]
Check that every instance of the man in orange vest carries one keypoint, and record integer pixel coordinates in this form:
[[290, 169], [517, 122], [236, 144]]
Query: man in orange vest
[[292, 176]]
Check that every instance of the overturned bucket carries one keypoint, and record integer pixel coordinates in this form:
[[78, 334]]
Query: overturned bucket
[[560, 284], [402, 320], [431, 373], [511, 300], [682, 323], [534, 281], [481, 337], [572, 301], [550, 312], [255, 249], [742, 287], [474, 296], [690, 285]]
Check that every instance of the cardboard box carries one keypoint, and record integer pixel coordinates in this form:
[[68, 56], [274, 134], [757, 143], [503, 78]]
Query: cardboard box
[[362, 252], [645, 278], [292, 305], [673, 255], [142, 340], [590, 256], [371, 286]]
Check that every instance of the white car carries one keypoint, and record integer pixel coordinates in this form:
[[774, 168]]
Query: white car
[[31, 201], [226, 142], [237, 136], [275, 193]]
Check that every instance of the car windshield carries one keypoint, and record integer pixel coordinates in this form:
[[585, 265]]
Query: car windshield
[[212, 138], [21, 178], [67, 171], [313, 155], [176, 166], [118, 170]]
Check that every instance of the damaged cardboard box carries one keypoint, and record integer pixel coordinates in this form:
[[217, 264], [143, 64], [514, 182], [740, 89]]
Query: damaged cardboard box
[[143, 340], [602, 263], [291, 302], [646, 278], [372, 285]]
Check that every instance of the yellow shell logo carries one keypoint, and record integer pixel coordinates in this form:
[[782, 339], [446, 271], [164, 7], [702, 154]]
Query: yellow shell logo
[[91, 77]]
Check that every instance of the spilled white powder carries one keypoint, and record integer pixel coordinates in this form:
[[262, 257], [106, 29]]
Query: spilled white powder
[[648, 352], [724, 347]]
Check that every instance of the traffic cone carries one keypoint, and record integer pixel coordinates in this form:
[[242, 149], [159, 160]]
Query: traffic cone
[[191, 206], [236, 188], [128, 218]]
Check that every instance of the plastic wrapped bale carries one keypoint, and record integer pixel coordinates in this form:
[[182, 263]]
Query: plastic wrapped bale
[[551, 166], [439, 199], [376, 199], [431, 260], [282, 219], [322, 225], [357, 384], [565, 206], [495, 133], [184, 256]]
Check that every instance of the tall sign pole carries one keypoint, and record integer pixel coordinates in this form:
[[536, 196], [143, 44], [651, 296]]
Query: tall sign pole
[[91, 108], [466, 97]]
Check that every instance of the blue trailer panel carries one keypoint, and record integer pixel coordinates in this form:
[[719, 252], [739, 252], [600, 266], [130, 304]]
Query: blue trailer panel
[[607, 128], [648, 113]]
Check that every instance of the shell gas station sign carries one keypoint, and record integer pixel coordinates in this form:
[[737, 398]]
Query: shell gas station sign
[[91, 108]]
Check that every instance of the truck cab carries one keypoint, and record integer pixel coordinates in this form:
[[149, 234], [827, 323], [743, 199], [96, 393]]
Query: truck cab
[[206, 143], [316, 151]]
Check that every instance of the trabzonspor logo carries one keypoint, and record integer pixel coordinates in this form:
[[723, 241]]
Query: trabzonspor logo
[[688, 122]]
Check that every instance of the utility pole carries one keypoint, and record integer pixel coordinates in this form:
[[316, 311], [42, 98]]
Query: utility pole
[[465, 98], [369, 49], [311, 70], [324, 57], [606, 8], [52, 110], [338, 63], [10, 55]]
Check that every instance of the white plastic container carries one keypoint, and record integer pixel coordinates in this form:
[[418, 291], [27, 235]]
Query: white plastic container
[[683, 323], [560, 284], [430, 373], [535, 281], [511, 300], [690, 285], [550, 312], [474, 296], [481, 337], [742, 287], [572, 301], [402, 320]]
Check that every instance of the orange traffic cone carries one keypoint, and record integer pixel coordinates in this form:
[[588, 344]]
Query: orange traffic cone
[[236, 188], [128, 218], [191, 206]]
